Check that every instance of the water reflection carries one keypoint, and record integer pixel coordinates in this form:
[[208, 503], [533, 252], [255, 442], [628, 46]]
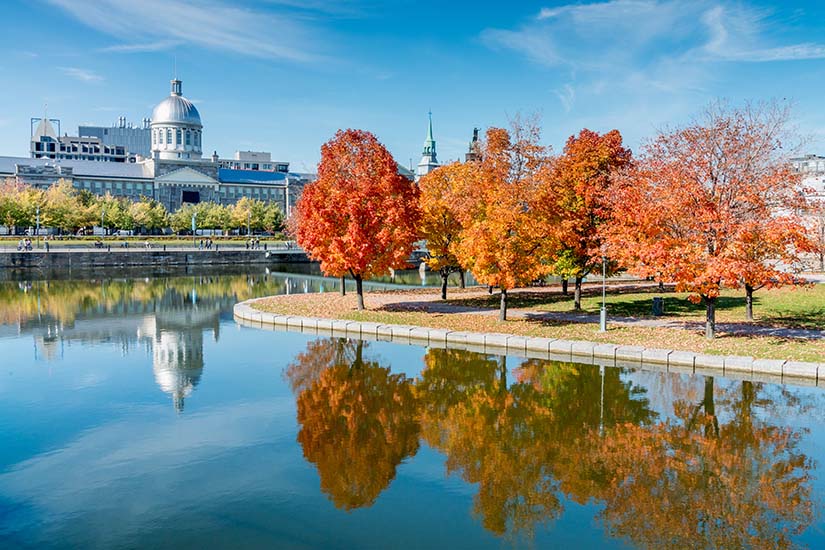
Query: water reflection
[[708, 470], [166, 317], [358, 420]]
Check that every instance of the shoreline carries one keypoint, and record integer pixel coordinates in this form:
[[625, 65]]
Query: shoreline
[[575, 351]]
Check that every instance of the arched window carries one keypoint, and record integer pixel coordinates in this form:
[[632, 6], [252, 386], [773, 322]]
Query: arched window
[[154, 137], [169, 136], [188, 137], [197, 138], [178, 136]]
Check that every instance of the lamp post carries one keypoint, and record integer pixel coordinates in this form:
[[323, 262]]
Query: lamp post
[[102, 217], [37, 231], [194, 228], [248, 222], [603, 316]]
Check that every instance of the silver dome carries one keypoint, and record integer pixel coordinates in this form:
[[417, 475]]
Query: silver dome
[[176, 109]]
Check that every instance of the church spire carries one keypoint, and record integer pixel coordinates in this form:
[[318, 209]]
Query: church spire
[[429, 162], [429, 143]]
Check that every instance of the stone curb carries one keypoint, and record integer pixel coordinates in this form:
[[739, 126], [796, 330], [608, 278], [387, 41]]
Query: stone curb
[[631, 357]]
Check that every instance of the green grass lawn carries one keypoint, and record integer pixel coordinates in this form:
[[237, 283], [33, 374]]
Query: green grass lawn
[[801, 307]]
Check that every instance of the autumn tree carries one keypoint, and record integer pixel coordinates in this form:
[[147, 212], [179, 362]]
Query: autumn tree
[[358, 420], [502, 240], [691, 209], [577, 202], [441, 190], [359, 217]]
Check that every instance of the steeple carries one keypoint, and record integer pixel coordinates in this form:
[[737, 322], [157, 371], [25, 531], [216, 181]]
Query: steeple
[[429, 162], [429, 143], [176, 87]]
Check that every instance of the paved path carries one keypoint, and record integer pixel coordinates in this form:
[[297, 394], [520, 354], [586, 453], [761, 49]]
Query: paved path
[[432, 304]]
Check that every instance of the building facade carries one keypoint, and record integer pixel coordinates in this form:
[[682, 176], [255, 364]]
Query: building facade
[[173, 174], [134, 139]]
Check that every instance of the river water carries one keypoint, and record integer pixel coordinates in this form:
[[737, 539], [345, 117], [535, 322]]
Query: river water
[[136, 413]]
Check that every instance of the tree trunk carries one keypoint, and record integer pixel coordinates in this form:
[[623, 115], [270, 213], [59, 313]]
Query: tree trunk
[[489, 289], [822, 262], [461, 282], [564, 286], [577, 294], [661, 285], [710, 323], [711, 429], [359, 289], [502, 311], [749, 302], [343, 286], [444, 275]]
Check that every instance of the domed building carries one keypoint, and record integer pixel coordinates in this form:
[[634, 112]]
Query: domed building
[[176, 127]]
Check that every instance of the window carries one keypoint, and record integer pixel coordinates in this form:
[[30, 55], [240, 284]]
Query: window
[[188, 137], [169, 136], [178, 136], [197, 138]]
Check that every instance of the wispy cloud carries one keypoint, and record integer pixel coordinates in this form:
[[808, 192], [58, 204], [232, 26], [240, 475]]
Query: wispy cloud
[[155, 46], [638, 32], [84, 75], [157, 24], [566, 95]]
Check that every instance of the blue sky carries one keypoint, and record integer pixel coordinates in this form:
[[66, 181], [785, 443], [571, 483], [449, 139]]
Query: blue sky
[[283, 75]]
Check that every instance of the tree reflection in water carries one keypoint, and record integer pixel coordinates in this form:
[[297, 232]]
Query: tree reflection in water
[[358, 421], [693, 478]]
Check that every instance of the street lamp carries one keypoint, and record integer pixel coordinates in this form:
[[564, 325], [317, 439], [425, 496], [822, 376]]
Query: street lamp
[[248, 222], [37, 231], [194, 228], [102, 224], [603, 317]]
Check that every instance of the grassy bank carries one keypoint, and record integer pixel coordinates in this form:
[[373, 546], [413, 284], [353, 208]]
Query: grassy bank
[[786, 307]]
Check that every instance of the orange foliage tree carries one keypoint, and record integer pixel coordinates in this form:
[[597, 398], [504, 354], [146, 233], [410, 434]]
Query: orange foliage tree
[[577, 199], [441, 189], [359, 217], [502, 240], [705, 195]]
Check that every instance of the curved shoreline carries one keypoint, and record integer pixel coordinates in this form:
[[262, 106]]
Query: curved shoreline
[[576, 351]]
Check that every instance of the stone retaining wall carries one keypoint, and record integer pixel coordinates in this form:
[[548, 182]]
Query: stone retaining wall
[[152, 257], [576, 351]]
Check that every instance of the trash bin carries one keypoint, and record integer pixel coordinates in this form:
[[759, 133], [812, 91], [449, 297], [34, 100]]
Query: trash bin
[[658, 305]]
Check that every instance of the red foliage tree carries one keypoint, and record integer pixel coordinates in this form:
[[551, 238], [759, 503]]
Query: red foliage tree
[[360, 217], [710, 203]]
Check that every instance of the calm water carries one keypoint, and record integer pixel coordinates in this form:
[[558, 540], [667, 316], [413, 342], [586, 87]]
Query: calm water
[[135, 413]]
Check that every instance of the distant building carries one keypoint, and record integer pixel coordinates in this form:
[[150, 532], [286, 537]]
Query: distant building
[[812, 168], [472, 151], [134, 139], [254, 160], [173, 173], [428, 162], [46, 143]]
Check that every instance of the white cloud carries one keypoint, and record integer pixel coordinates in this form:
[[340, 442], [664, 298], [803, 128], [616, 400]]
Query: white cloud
[[213, 24], [156, 46], [618, 34], [84, 75], [567, 96]]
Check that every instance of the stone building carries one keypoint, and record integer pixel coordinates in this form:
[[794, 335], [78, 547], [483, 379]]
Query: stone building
[[175, 173]]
